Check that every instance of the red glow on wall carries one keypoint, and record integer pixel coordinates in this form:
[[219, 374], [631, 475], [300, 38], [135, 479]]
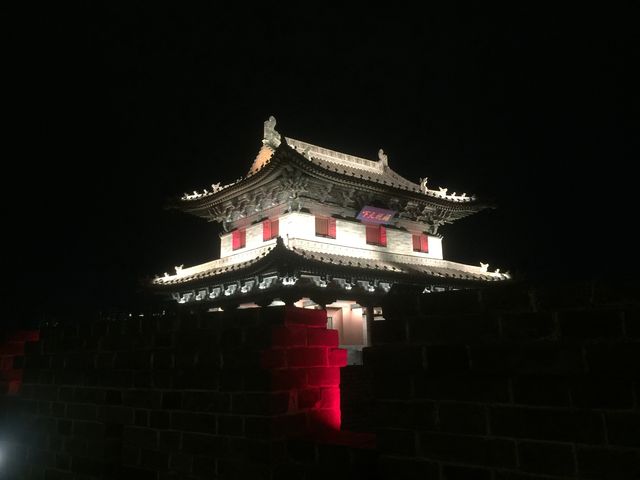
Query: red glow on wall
[[11, 355], [304, 360]]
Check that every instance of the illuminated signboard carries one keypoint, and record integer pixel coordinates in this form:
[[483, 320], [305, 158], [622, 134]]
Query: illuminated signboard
[[375, 215]]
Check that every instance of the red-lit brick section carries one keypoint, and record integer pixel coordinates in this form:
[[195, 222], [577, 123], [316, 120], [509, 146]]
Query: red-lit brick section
[[12, 359], [186, 394], [304, 360]]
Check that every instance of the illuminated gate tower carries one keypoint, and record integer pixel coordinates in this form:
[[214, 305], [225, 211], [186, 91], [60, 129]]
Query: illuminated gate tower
[[313, 227]]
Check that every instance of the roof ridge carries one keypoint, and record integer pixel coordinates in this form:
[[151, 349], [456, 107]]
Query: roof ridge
[[333, 156]]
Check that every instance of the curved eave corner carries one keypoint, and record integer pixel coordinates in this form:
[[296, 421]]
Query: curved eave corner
[[283, 258]]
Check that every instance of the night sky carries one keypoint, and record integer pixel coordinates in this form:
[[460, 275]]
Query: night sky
[[113, 111]]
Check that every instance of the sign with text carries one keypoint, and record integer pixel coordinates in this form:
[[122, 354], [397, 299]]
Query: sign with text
[[375, 215]]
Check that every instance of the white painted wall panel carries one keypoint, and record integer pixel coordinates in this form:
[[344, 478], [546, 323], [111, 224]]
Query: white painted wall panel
[[350, 234]]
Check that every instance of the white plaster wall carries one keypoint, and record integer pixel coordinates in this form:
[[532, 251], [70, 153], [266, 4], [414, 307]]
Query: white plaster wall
[[352, 234], [225, 245], [349, 323], [253, 241], [298, 225], [435, 248]]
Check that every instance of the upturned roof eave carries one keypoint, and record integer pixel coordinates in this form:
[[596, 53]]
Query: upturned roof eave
[[283, 260], [199, 206]]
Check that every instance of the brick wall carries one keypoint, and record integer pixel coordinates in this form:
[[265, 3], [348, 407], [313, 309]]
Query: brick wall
[[206, 395], [506, 383], [12, 358], [509, 383]]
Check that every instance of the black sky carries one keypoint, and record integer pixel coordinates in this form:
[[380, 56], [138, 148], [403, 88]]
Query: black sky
[[113, 110]]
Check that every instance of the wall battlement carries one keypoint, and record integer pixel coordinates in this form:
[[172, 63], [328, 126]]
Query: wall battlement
[[511, 382]]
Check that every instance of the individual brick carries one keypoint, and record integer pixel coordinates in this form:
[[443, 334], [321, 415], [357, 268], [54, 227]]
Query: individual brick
[[632, 323], [393, 358], [392, 385], [286, 379], [405, 415], [454, 328], [528, 325], [330, 398], [544, 358], [480, 451], [594, 324], [307, 357], [447, 359], [309, 397], [324, 376], [547, 424], [201, 444], [230, 425], [598, 462], [273, 358], [623, 428], [456, 472], [602, 392], [305, 316], [154, 460], [397, 442], [337, 357], [322, 338], [614, 359], [548, 458], [543, 390], [404, 468], [140, 437], [462, 418], [464, 387], [289, 336], [194, 422], [268, 403]]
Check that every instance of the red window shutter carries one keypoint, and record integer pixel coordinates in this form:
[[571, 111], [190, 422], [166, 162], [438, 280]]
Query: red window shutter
[[275, 228], [238, 239], [372, 234], [383, 236], [424, 243], [332, 228], [416, 243], [322, 226], [266, 230]]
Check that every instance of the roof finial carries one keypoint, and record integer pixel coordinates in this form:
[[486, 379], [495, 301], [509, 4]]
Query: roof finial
[[271, 135], [383, 157]]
